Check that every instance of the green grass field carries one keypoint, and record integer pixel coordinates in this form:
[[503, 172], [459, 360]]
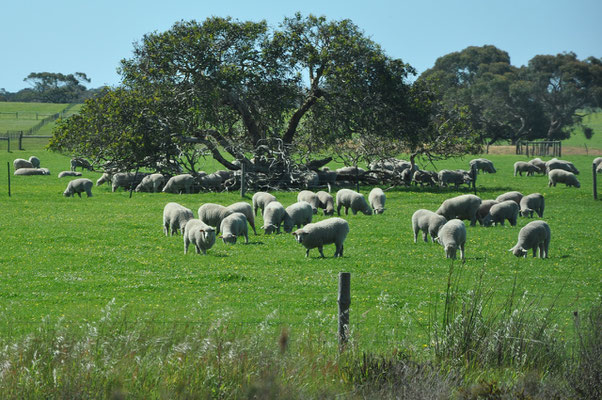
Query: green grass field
[[578, 139], [69, 257]]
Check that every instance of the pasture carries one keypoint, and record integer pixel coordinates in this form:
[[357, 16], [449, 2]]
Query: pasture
[[67, 258]]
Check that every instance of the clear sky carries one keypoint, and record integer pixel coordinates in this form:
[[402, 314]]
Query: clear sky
[[92, 36]]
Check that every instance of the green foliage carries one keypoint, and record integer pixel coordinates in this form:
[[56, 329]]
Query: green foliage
[[50, 87]]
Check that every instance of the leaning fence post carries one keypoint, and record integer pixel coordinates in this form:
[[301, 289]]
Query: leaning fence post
[[243, 182], [595, 178], [21, 140], [8, 169], [7, 143], [344, 302]]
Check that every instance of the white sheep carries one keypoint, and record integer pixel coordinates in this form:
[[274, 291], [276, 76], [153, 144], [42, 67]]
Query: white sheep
[[299, 214], [213, 214], [35, 161], [274, 215], [535, 235], [106, 177], [348, 198], [483, 210], [311, 198], [561, 164], [514, 196], [377, 200], [428, 222], [32, 171], [561, 176], [63, 174], [597, 163], [463, 207], [533, 202], [200, 234], [261, 200], [521, 166], [456, 177], [126, 179], [425, 177], [175, 216], [327, 177], [504, 210], [212, 181], [80, 162], [179, 183], [539, 165], [247, 210], [79, 186], [483, 164], [329, 231], [326, 202], [234, 226], [21, 163], [452, 236], [150, 183]]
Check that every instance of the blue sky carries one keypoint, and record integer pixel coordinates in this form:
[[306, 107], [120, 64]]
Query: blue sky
[[93, 36]]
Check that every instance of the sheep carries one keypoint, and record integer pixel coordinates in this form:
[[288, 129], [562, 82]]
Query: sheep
[[351, 199], [521, 166], [234, 226], [311, 198], [462, 207], [32, 171], [327, 177], [558, 175], [505, 210], [350, 173], [261, 200], [247, 210], [452, 236], [457, 177], [428, 222], [425, 177], [21, 163], [78, 186], [35, 161], [406, 176], [200, 234], [213, 214], [179, 183], [175, 216], [274, 215], [539, 164], [150, 183], [515, 196], [80, 162], [106, 177], [224, 174], [534, 235], [210, 182], [326, 202], [561, 164], [597, 162], [483, 210], [310, 179], [533, 202], [299, 214], [63, 174], [483, 164], [329, 231], [126, 180], [377, 199]]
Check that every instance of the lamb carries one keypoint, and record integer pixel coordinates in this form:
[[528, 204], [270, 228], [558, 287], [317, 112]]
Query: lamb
[[175, 217], [329, 231], [539, 164], [32, 171], [247, 210], [63, 174], [79, 186], [351, 199], [521, 166], [35, 161], [311, 198], [80, 162], [483, 210], [452, 236], [483, 164], [150, 183], [428, 222], [498, 213], [274, 215], [515, 196], [234, 226], [560, 176], [213, 214], [461, 207], [561, 164], [377, 200], [179, 183], [200, 234], [326, 202], [534, 235], [457, 177], [261, 200], [21, 163], [533, 202], [299, 214]]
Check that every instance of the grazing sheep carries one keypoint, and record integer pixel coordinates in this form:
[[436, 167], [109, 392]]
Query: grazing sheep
[[261, 200], [150, 183], [425, 177], [179, 183], [247, 210], [461, 207], [533, 202], [351, 199], [483, 210], [597, 162], [514, 196], [406, 176], [234, 226], [32, 171], [311, 198], [498, 213], [326, 202], [126, 180], [80, 162], [210, 182], [200, 234], [274, 215], [19, 163], [224, 174], [106, 177], [539, 164], [35, 161], [79, 186], [310, 179], [328, 231], [393, 165], [521, 166], [457, 177], [213, 214], [561, 164], [483, 164], [377, 200], [175, 216], [63, 174], [428, 222], [350, 173], [299, 214], [452, 236], [561, 176], [534, 235]]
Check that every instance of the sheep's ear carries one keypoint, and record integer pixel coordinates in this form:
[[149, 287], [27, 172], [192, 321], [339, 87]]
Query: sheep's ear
[[220, 237], [233, 236]]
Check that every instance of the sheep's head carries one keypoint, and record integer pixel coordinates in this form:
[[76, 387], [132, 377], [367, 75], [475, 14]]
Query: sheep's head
[[300, 235], [518, 251], [228, 238], [67, 193], [379, 210], [527, 212], [367, 211], [269, 228], [208, 233], [450, 251]]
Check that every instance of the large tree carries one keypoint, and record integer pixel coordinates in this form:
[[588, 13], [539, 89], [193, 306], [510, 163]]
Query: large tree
[[50, 87]]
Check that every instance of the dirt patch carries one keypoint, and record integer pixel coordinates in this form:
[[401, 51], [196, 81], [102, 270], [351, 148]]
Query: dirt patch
[[581, 151]]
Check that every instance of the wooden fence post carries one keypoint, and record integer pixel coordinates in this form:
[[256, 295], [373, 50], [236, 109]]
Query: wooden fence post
[[21, 140], [344, 301], [243, 171], [8, 169], [595, 180]]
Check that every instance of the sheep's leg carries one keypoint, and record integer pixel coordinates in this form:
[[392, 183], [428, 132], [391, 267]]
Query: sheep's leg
[[246, 237], [535, 251], [462, 251], [346, 210], [166, 229], [320, 249], [424, 237], [186, 243], [198, 248], [204, 250], [79, 194], [306, 253], [339, 209]]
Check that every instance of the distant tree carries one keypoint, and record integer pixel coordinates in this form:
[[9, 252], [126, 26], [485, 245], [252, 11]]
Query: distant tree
[[52, 87]]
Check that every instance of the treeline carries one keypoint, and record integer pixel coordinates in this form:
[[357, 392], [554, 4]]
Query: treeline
[[50, 87]]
